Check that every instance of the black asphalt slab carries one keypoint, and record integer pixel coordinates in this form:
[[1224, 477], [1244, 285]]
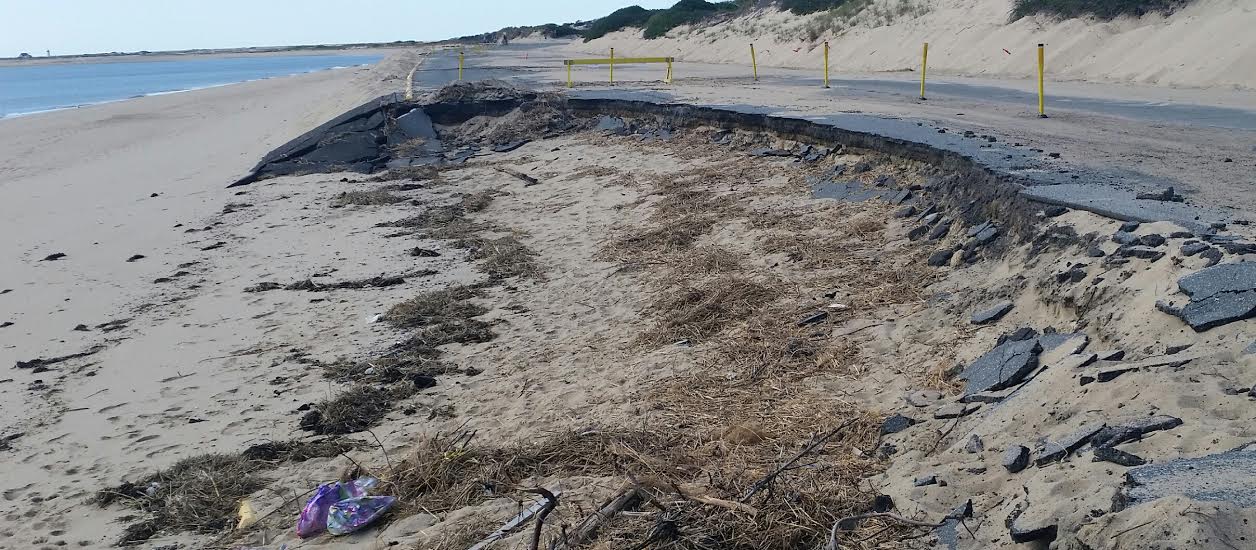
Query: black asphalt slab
[[1046, 178], [1197, 115], [1223, 477]]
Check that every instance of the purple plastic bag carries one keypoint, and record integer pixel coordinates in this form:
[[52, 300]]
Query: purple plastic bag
[[313, 518], [352, 514]]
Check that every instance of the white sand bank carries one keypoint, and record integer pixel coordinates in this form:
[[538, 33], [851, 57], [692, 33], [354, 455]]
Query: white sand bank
[[1207, 44]]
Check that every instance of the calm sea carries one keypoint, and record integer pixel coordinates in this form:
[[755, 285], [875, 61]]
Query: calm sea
[[39, 88]]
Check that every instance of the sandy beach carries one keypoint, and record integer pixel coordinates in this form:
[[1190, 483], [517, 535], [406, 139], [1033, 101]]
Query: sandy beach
[[105, 185], [680, 327]]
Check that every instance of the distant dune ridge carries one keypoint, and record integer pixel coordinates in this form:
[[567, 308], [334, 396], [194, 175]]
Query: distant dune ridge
[[1196, 43]]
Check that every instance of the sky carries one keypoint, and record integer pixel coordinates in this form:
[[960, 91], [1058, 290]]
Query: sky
[[92, 26]]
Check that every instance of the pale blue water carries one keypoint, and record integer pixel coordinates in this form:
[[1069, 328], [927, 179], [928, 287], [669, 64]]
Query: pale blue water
[[39, 88]]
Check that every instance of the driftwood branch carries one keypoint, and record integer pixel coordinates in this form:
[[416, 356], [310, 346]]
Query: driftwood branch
[[697, 494], [814, 445], [848, 523], [591, 524], [527, 180], [550, 502]]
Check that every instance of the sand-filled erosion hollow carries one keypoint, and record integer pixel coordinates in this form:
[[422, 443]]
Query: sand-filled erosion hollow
[[695, 328]]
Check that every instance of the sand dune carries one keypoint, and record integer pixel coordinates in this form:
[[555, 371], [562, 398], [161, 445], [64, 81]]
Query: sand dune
[[1208, 44]]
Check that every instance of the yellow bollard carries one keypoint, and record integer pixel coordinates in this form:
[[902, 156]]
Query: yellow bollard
[[826, 64], [612, 65], [924, 68], [460, 57], [1042, 101], [754, 63], [669, 72], [568, 76]]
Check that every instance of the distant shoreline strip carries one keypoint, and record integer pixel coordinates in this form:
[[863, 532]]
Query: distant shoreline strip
[[4, 116]]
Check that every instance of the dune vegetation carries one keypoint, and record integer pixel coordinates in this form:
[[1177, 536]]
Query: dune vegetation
[[1101, 9]]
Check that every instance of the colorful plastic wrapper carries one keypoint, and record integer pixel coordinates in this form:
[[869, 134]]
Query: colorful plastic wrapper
[[361, 486], [352, 514], [314, 517]]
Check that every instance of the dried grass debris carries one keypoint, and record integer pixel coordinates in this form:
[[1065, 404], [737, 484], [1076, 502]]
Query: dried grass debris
[[437, 306], [355, 410], [478, 201], [410, 173], [297, 450], [200, 493], [699, 310], [502, 257], [373, 197]]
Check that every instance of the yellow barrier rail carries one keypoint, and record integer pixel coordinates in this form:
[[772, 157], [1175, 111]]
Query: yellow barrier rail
[[612, 61], [619, 60]]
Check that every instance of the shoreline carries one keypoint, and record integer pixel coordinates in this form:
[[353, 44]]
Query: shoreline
[[7, 116], [169, 56]]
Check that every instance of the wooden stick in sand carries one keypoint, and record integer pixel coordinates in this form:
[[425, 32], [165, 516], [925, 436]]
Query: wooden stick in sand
[[527, 180], [630, 494]]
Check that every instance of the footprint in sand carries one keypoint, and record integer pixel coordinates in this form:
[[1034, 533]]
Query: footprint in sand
[[162, 450], [110, 408], [168, 393], [13, 494]]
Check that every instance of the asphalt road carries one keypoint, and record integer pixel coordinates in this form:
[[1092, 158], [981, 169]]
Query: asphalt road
[[1095, 152]]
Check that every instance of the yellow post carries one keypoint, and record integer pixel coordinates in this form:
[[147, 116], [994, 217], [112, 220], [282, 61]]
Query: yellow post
[[924, 68], [754, 63], [1042, 101], [612, 65], [826, 64], [669, 72], [568, 76], [460, 56]]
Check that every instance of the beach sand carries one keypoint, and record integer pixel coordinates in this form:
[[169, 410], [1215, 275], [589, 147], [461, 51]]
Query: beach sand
[[101, 185], [646, 322]]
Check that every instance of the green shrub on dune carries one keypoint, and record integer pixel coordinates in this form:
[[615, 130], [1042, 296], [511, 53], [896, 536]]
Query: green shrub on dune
[[631, 16], [657, 22], [1101, 9], [683, 13], [804, 7]]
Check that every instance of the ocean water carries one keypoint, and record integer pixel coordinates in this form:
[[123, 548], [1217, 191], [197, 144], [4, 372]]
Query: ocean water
[[40, 88]]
